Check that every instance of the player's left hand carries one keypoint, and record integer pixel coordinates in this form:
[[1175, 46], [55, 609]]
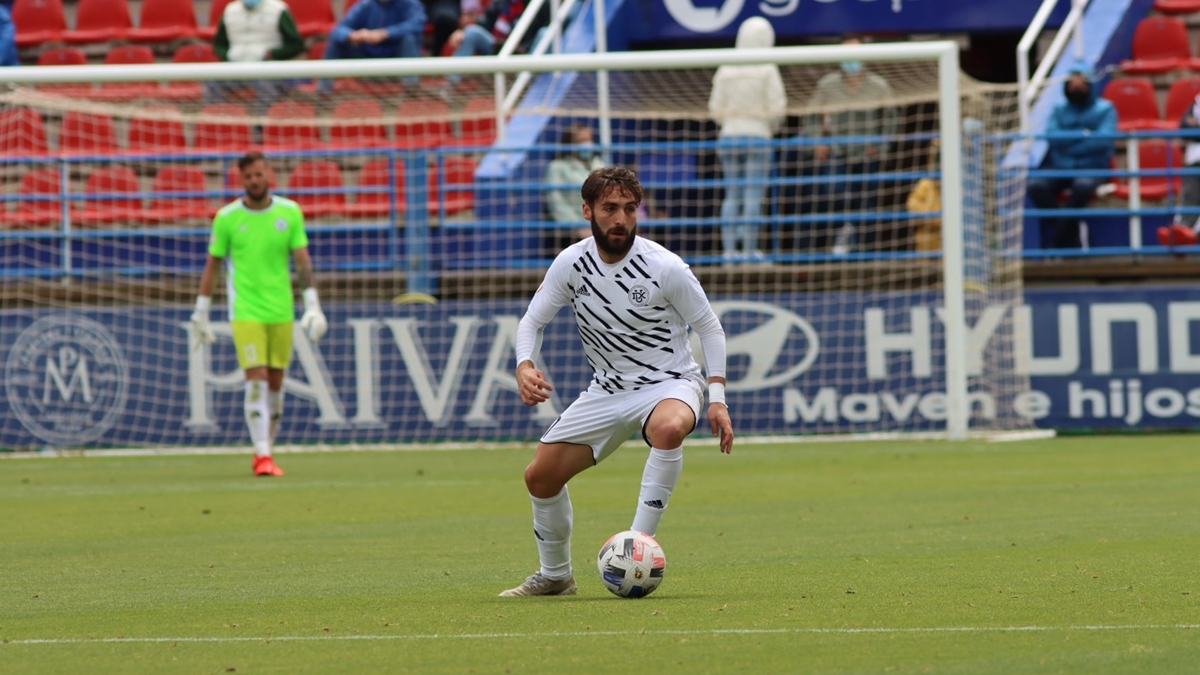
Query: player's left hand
[[718, 417], [313, 323]]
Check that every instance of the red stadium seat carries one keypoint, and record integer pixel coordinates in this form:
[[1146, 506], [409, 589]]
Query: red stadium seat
[[87, 134], [22, 133], [211, 134], [1180, 98], [1136, 104], [1155, 154], [159, 134], [425, 124], [313, 17], [317, 175], [352, 130], [38, 183], [478, 124], [1160, 44], [459, 187], [64, 56], [100, 21], [110, 195], [164, 209], [121, 91], [375, 174], [291, 135], [1176, 6], [165, 20], [316, 51], [215, 9], [38, 21], [188, 91]]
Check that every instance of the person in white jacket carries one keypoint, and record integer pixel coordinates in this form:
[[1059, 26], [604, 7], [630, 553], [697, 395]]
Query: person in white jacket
[[748, 103]]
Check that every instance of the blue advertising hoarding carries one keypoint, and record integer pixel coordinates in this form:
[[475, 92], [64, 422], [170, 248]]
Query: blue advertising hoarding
[[803, 363], [681, 19]]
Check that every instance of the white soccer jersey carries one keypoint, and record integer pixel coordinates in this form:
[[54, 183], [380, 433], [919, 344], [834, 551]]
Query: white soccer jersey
[[633, 316]]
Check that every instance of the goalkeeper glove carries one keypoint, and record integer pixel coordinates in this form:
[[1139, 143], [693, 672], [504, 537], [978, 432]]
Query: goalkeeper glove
[[313, 322], [201, 328]]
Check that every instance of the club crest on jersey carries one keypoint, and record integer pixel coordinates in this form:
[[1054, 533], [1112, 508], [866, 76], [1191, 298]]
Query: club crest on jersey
[[281, 225], [639, 296]]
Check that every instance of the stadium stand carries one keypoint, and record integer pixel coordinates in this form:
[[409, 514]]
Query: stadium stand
[[1160, 44], [318, 175], [22, 133], [87, 134], [100, 21], [215, 9], [168, 210], [38, 21], [32, 211], [279, 134], [119, 91], [158, 134], [1177, 6], [110, 195], [350, 132], [1155, 155], [424, 124], [1180, 96], [1136, 103], [164, 21], [313, 17], [211, 135], [375, 175]]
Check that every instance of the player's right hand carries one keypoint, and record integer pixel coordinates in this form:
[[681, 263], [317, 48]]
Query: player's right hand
[[532, 384], [201, 328]]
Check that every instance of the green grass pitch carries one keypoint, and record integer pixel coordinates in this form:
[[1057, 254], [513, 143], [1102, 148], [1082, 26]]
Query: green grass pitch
[[1075, 555]]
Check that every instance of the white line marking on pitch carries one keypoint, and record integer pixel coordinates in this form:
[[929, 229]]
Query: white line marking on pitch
[[605, 633]]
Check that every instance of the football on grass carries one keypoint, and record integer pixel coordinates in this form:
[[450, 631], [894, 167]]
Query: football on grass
[[631, 564]]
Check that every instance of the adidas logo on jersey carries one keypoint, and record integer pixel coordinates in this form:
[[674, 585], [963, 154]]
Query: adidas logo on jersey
[[655, 503], [583, 292]]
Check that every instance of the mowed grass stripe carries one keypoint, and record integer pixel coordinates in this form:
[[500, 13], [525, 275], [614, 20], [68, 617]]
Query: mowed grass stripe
[[782, 558]]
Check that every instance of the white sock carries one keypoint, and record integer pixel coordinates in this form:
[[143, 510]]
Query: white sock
[[258, 417], [658, 481], [275, 405], [552, 520]]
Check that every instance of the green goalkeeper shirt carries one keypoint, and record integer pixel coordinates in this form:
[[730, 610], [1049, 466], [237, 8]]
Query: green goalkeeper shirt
[[256, 247]]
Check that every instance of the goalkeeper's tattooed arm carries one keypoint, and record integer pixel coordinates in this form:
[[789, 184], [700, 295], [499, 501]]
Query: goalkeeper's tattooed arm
[[304, 270]]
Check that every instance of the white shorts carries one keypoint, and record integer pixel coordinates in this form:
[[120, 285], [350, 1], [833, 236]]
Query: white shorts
[[604, 421]]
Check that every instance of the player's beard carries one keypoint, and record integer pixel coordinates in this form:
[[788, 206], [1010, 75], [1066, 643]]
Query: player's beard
[[258, 196], [603, 243]]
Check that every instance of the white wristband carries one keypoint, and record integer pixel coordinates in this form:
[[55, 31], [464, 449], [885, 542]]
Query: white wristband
[[203, 303], [310, 299], [716, 393]]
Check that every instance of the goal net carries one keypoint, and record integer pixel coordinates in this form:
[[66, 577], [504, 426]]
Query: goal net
[[858, 303]]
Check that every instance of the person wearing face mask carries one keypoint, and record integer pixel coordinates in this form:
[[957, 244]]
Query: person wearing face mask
[[578, 159], [1087, 118], [748, 103], [848, 102], [255, 30], [378, 29]]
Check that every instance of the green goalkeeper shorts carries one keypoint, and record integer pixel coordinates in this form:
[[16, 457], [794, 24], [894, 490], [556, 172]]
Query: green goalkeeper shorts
[[262, 344]]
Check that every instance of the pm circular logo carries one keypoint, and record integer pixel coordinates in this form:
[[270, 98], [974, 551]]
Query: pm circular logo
[[281, 225], [66, 379]]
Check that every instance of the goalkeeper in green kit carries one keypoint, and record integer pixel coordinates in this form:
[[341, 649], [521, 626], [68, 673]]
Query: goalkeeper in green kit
[[253, 236]]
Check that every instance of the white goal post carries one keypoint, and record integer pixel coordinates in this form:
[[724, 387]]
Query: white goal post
[[417, 237]]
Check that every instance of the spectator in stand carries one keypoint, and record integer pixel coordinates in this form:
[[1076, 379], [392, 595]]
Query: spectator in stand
[[748, 103], [491, 30], [250, 31], [377, 29], [571, 167], [444, 16], [1081, 115], [8, 37], [848, 93]]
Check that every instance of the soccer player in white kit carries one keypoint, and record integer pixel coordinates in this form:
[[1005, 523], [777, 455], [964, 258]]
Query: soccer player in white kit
[[633, 302]]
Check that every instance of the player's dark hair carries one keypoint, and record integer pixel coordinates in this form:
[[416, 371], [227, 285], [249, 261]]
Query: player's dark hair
[[600, 181], [250, 158]]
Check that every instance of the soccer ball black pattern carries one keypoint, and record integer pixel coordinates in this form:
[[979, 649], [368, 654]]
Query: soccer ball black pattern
[[631, 564]]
